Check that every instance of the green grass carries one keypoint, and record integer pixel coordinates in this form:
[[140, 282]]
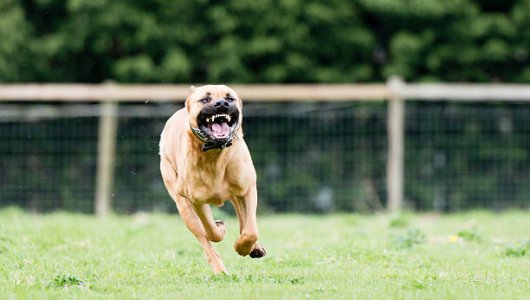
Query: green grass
[[475, 255]]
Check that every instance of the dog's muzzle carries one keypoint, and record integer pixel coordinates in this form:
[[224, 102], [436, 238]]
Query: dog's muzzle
[[217, 125]]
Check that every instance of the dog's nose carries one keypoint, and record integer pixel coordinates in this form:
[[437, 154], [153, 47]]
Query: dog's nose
[[222, 103]]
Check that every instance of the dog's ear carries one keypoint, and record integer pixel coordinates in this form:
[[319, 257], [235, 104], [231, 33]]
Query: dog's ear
[[186, 103], [240, 101]]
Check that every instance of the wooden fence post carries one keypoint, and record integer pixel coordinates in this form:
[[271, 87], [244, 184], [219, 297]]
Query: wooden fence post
[[106, 161], [396, 146]]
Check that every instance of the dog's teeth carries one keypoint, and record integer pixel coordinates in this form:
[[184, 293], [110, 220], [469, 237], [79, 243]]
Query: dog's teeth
[[212, 118]]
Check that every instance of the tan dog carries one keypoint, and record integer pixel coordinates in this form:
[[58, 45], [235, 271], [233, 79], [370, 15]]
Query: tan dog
[[204, 160]]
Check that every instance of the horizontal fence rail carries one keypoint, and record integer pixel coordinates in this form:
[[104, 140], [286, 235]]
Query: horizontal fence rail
[[464, 92], [395, 91], [159, 92], [395, 88]]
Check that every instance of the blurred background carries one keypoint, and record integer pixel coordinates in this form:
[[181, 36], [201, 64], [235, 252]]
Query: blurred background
[[311, 156]]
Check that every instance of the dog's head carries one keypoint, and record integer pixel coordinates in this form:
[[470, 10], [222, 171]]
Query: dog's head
[[215, 114]]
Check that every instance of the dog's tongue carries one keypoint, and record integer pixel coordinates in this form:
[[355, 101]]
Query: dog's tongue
[[220, 130]]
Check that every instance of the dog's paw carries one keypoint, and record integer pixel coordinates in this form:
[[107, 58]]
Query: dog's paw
[[258, 252]]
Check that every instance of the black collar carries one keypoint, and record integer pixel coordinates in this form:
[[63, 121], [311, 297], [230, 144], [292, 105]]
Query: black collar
[[209, 144]]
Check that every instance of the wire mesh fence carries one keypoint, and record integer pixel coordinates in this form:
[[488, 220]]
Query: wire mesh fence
[[468, 155], [48, 164], [309, 156]]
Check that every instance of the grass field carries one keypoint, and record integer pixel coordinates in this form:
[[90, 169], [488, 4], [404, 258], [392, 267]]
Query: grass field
[[474, 255]]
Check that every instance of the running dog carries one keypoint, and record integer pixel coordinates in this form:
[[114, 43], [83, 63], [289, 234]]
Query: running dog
[[205, 161]]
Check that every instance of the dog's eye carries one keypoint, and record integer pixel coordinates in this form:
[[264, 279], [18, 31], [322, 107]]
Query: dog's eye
[[204, 100], [230, 99]]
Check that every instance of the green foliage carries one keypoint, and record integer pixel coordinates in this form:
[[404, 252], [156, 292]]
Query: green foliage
[[399, 221], [16, 54], [66, 281], [519, 249], [269, 41], [408, 238], [469, 234]]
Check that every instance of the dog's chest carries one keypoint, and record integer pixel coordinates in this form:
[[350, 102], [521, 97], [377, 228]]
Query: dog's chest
[[207, 186]]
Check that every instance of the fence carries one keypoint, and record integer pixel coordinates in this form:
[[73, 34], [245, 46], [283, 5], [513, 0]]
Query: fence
[[341, 108]]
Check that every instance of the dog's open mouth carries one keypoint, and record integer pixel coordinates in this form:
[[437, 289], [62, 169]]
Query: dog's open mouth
[[218, 127]]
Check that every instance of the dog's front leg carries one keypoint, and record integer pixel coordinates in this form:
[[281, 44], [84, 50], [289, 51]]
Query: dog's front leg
[[245, 208], [190, 218], [194, 224], [215, 230]]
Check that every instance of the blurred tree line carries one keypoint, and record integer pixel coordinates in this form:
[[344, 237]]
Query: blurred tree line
[[458, 155], [264, 41]]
